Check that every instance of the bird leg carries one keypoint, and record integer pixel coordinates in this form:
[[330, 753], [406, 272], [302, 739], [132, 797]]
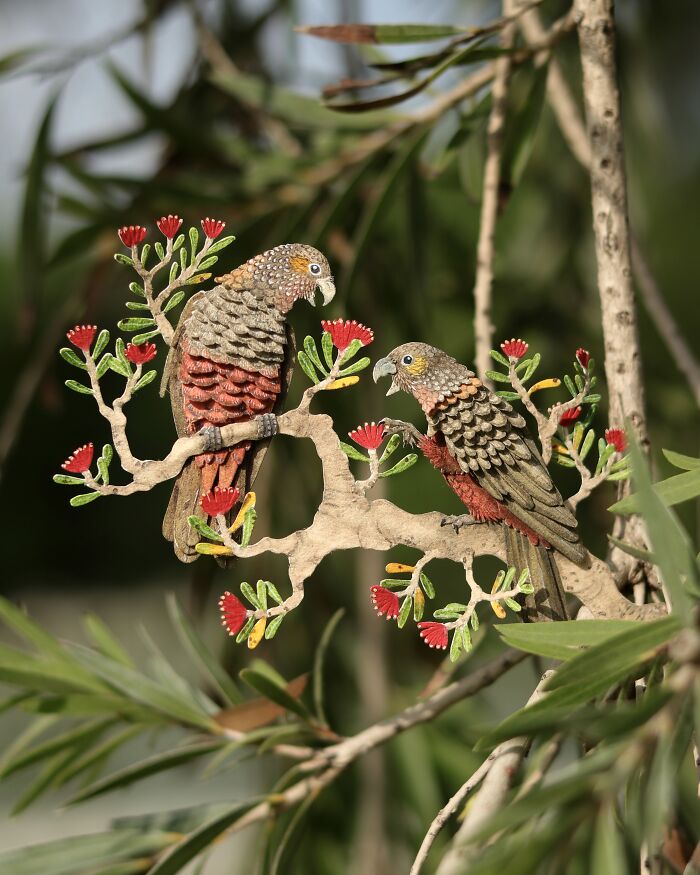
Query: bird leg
[[458, 520], [409, 433], [267, 425], [212, 436]]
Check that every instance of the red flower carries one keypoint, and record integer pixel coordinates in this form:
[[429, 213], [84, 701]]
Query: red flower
[[583, 357], [434, 634], [219, 500], [212, 227], [169, 225], [568, 417], [386, 603], [131, 235], [514, 349], [344, 331], [80, 459], [616, 437], [233, 613], [140, 353], [82, 336], [369, 435]]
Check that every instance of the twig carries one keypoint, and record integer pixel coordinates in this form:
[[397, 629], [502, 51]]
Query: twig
[[492, 794], [490, 199], [589, 482]]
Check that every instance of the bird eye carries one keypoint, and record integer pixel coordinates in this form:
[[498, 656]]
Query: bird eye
[[407, 359], [315, 268]]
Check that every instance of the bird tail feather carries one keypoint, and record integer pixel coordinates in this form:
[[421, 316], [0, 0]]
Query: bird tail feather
[[548, 601], [184, 503]]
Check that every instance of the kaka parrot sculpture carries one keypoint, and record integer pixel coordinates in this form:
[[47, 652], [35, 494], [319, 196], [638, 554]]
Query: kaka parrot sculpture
[[485, 453], [231, 360]]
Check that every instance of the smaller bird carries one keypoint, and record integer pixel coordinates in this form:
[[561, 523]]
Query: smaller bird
[[482, 447], [231, 360]]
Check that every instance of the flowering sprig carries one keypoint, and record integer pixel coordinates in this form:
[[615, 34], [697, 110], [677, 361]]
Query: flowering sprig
[[255, 623], [455, 619], [370, 436], [80, 462], [333, 372], [187, 266]]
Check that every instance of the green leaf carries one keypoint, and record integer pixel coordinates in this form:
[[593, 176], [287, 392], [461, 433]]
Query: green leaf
[[513, 605], [562, 640], [466, 636], [135, 772], [633, 550], [248, 526], [84, 498], [273, 626], [274, 592], [147, 335], [78, 387], [137, 289], [220, 244], [174, 300], [678, 460], [498, 376], [67, 480], [408, 461], [208, 262], [123, 259], [508, 396], [418, 609], [100, 343], [273, 690], [532, 367], [319, 662], [174, 270], [147, 378], [246, 630], [427, 585], [564, 461], [674, 490], [499, 357], [118, 366], [72, 358], [194, 241], [405, 612], [327, 347], [198, 523], [352, 453], [250, 594], [307, 367], [390, 448], [355, 367], [135, 323], [587, 444], [200, 653], [104, 365], [383, 33], [261, 593], [456, 645], [312, 353], [618, 656], [187, 849], [105, 641]]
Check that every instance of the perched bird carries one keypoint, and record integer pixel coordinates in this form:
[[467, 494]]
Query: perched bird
[[485, 453], [231, 359]]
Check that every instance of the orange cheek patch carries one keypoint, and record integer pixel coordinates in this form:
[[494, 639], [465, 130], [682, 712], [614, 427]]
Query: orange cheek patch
[[299, 264]]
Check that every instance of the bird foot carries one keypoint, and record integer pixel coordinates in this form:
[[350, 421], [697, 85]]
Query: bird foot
[[212, 437], [409, 433], [457, 521], [267, 425]]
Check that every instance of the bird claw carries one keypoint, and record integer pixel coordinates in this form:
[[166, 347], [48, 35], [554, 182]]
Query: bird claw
[[457, 521], [409, 433], [212, 437], [267, 425]]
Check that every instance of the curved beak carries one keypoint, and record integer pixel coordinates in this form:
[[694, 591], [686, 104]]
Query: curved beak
[[327, 288], [385, 368]]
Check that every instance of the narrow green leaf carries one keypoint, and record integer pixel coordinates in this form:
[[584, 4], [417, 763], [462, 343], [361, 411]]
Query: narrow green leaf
[[250, 594], [147, 378], [198, 523], [508, 396], [355, 367], [678, 460], [248, 526], [100, 343], [408, 461], [427, 585], [174, 270], [513, 605], [561, 640], [274, 592], [307, 367], [390, 448], [104, 365], [674, 490], [78, 387], [405, 612], [72, 358], [261, 593], [173, 301], [319, 663], [137, 289], [499, 357], [147, 335], [352, 453], [67, 480], [498, 376], [327, 347], [135, 323], [105, 641], [123, 259], [84, 734], [383, 33], [84, 498], [312, 353], [220, 244], [456, 645], [246, 630], [208, 262], [273, 626], [272, 690]]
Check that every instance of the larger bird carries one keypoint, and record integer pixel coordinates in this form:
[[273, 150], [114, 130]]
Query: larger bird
[[231, 359], [486, 455]]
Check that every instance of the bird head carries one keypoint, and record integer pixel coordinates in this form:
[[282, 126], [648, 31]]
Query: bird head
[[293, 271], [421, 370]]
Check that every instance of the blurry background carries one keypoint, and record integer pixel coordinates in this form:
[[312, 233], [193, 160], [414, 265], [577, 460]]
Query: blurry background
[[118, 112]]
